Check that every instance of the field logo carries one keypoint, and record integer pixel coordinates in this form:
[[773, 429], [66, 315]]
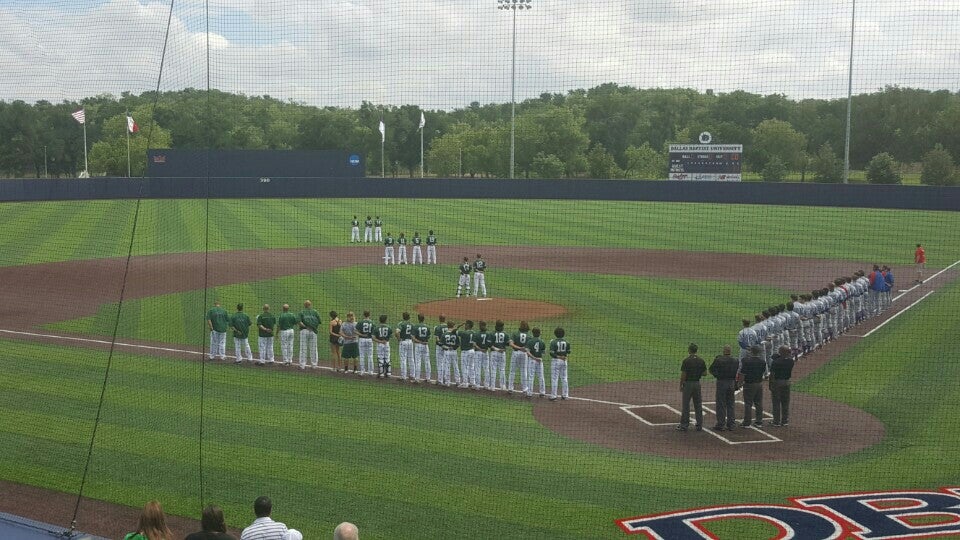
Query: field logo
[[884, 515], [354, 160]]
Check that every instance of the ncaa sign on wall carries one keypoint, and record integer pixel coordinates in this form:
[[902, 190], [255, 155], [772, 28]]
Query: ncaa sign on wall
[[876, 515]]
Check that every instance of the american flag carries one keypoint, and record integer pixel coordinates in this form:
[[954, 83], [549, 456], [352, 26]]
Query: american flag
[[80, 116]]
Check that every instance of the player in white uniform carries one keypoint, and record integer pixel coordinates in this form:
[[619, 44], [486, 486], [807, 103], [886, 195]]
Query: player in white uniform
[[404, 334], [354, 230], [421, 349], [402, 249], [449, 346], [747, 338], [417, 250], [381, 336], [431, 248], [464, 277], [479, 282], [365, 344], [378, 230], [498, 356], [388, 250]]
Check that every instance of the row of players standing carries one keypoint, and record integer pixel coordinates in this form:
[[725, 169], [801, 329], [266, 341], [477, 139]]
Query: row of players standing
[[373, 232], [482, 353], [810, 320]]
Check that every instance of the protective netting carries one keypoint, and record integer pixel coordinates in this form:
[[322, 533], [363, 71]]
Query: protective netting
[[103, 322]]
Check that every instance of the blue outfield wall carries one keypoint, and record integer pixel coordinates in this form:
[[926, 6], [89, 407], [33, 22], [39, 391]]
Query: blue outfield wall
[[840, 195]]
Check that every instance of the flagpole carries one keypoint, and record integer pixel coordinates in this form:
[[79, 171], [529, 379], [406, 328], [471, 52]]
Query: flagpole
[[421, 152], [86, 167], [127, 129], [383, 173]]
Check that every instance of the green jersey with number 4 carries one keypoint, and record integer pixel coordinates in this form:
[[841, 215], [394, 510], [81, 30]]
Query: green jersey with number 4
[[535, 347]]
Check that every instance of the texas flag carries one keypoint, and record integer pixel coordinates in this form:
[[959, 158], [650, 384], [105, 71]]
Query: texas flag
[[132, 126]]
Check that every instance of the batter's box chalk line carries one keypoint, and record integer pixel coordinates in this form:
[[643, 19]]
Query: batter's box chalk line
[[768, 438]]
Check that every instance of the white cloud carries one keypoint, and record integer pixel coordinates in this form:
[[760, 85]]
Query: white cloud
[[447, 53]]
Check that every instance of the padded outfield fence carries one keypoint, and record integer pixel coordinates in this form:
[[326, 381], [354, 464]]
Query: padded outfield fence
[[109, 396]]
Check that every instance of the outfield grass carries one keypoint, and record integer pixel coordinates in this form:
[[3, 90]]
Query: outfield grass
[[59, 231], [395, 459]]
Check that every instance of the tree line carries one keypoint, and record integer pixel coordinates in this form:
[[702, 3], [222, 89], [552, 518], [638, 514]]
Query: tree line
[[609, 131]]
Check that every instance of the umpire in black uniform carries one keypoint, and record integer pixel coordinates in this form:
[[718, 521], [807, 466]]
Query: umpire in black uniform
[[724, 369], [691, 370], [752, 369], [781, 369]]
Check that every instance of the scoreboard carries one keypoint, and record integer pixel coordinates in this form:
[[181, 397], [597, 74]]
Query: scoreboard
[[710, 162]]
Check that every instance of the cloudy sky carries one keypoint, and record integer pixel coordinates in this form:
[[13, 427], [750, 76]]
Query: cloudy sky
[[448, 53]]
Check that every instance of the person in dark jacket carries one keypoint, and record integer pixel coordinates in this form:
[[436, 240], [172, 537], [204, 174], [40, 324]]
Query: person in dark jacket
[[781, 369], [752, 370], [691, 370], [724, 369]]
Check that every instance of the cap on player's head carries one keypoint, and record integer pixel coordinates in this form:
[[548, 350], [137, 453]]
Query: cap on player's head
[[794, 297], [782, 307], [240, 307], [430, 232], [420, 317], [754, 349], [535, 331], [558, 331], [368, 217], [758, 317], [354, 217], [765, 314], [383, 318], [790, 306], [746, 323], [406, 315], [524, 326]]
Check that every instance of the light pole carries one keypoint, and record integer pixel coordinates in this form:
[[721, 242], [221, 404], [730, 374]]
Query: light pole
[[514, 6], [45, 161], [846, 143]]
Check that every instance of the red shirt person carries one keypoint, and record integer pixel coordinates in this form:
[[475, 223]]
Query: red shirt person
[[920, 258]]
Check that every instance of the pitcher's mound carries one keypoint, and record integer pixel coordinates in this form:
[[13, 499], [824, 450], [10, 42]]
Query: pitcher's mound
[[491, 309]]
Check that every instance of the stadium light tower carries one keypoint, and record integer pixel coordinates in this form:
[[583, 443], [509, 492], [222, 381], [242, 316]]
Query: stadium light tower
[[513, 6]]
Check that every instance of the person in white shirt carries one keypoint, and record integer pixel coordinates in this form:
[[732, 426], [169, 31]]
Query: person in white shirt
[[264, 528]]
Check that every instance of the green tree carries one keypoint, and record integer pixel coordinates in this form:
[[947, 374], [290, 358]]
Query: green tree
[[550, 129], [776, 138], [775, 170], [108, 156], [882, 169], [827, 167], [938, 168], [646, 163], [601, 164], [548, 166]]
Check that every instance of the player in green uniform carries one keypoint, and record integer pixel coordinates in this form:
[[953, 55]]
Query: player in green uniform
[[378, 230], [309, 322], [417, 249], [287, 325], [535, 349], [240, 323], [388, 250], [266, 326], [484, 340], [218, 321], [449, 345], [465, 337], [431, 248], [381, 336], [365, 333], [368, 230], [404, 334], [402, 249], [421, 349], [518, 358], [355, 230], [498, 357], [559, 350]]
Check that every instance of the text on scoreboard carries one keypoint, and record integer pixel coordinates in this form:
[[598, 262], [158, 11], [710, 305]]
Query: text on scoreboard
[[711, 162]]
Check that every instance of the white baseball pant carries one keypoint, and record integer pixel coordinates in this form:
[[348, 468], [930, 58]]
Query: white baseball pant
[[406, 358], [431, 254], [308, 348], [421, 360], [383, 358], [265, 347], [482, 371], [466, 364], [558, 371], [241, 346], [366, 356], [378, 234], [479, 283], [450, 362], [402, 259], [367, 234], [388, 255], [218, 345], [498, 366], [464, 282], [518, 362], [286, 345], [535, 368], [355, 234], [417, 255]]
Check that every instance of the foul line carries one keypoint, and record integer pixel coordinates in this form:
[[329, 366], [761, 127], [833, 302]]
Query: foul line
[[903, 292], [897, 314]]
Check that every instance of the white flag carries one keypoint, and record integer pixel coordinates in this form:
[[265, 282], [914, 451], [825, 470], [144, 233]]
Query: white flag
[[423, 120], [132, 126], [80, 116], [383, 132]]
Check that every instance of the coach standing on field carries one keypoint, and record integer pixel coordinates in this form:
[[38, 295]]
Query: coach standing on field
[[309, 322], [692, 368], [724, 369], [781, 369]]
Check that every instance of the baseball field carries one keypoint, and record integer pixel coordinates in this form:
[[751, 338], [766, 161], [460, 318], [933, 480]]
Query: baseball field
[[632, 283]]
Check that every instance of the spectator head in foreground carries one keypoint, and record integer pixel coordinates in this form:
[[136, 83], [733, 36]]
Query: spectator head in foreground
[[211, 520], [262, 507], [152, 524], [346, 531]]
